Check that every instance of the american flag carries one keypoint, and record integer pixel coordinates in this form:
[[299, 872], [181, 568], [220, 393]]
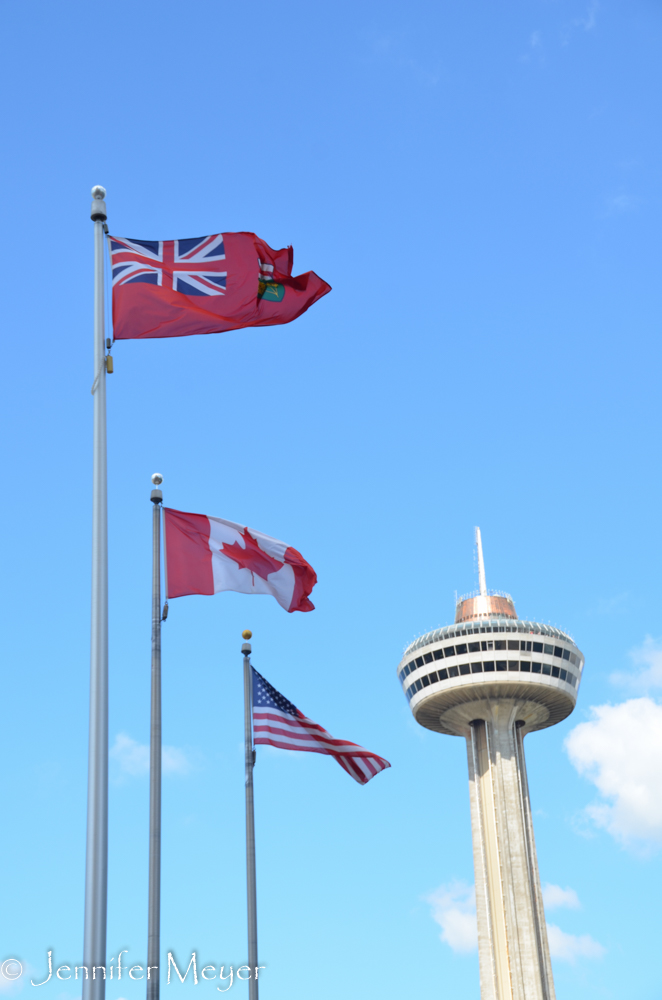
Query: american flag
[[192, 267], [279, 723]]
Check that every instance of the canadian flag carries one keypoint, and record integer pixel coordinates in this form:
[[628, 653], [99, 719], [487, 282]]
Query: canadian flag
[[205, 555]]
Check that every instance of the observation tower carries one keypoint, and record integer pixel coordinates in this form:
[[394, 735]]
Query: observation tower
[[493, 678]]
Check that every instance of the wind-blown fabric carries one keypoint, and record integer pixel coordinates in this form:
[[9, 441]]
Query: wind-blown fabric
[[279, 723], [208, 284], [206, 555]]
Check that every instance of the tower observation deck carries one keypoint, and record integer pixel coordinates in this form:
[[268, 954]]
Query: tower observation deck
[[493, 678]]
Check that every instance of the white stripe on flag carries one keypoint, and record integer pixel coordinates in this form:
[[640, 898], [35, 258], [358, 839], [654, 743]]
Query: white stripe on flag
[[278, 728]]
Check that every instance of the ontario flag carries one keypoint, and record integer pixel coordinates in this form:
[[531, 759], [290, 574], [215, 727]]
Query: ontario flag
[[206, 555], [175, 288]]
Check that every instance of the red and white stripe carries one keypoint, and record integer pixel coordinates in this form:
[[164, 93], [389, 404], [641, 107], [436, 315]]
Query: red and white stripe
[[275, 728], [207, 555]]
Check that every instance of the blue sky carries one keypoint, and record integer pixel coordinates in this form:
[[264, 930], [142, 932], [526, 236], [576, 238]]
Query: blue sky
[[479, 183]]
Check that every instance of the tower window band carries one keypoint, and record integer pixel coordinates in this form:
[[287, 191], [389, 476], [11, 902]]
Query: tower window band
[[488, 666]]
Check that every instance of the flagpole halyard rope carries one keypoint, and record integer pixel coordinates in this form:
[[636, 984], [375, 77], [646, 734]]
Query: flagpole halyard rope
[[98, 376], [107, 266], [165, 569]]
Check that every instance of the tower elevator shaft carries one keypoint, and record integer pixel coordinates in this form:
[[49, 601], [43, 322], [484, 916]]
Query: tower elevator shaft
[[513, 947]]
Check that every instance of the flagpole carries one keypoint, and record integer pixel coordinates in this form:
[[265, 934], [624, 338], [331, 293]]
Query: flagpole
[[154, 907], [96, 860], [251, 884]]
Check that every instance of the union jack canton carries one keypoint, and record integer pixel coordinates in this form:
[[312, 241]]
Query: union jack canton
[[192, 267]]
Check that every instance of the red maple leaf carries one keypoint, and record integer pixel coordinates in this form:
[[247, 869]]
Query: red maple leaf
[[252, 557]]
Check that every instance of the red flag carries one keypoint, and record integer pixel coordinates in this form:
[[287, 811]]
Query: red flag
[[206, 555], [175, 288]]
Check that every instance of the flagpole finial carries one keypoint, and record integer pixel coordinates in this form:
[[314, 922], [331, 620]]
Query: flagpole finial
[[98, 213], [247, 634], [157, 495], [246, 648]]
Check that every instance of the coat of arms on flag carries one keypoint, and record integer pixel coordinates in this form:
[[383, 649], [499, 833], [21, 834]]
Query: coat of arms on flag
[[269, 289]]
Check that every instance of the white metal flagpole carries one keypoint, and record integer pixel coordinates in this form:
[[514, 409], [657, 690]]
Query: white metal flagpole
[[96, 862], [154, 905], [251, 888]]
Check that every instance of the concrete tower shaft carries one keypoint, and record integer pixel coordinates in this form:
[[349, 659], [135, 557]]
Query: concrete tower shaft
[[512, 935], [492, 679]]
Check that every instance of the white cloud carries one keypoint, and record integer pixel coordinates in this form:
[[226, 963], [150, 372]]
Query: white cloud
[[174, 761], [570, 947], [533, 52], [620, 751], [10, 986], [554, 897], [647, 662], [585, 22], [394, 50], [133, 757], [619, 204], [454, 909], [611, 605], [590, 18]]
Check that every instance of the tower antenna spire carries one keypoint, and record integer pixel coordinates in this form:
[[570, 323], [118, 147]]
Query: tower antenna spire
[[481, 565]]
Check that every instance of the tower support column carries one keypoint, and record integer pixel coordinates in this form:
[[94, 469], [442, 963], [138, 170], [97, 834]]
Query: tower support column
[[513, 948]]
